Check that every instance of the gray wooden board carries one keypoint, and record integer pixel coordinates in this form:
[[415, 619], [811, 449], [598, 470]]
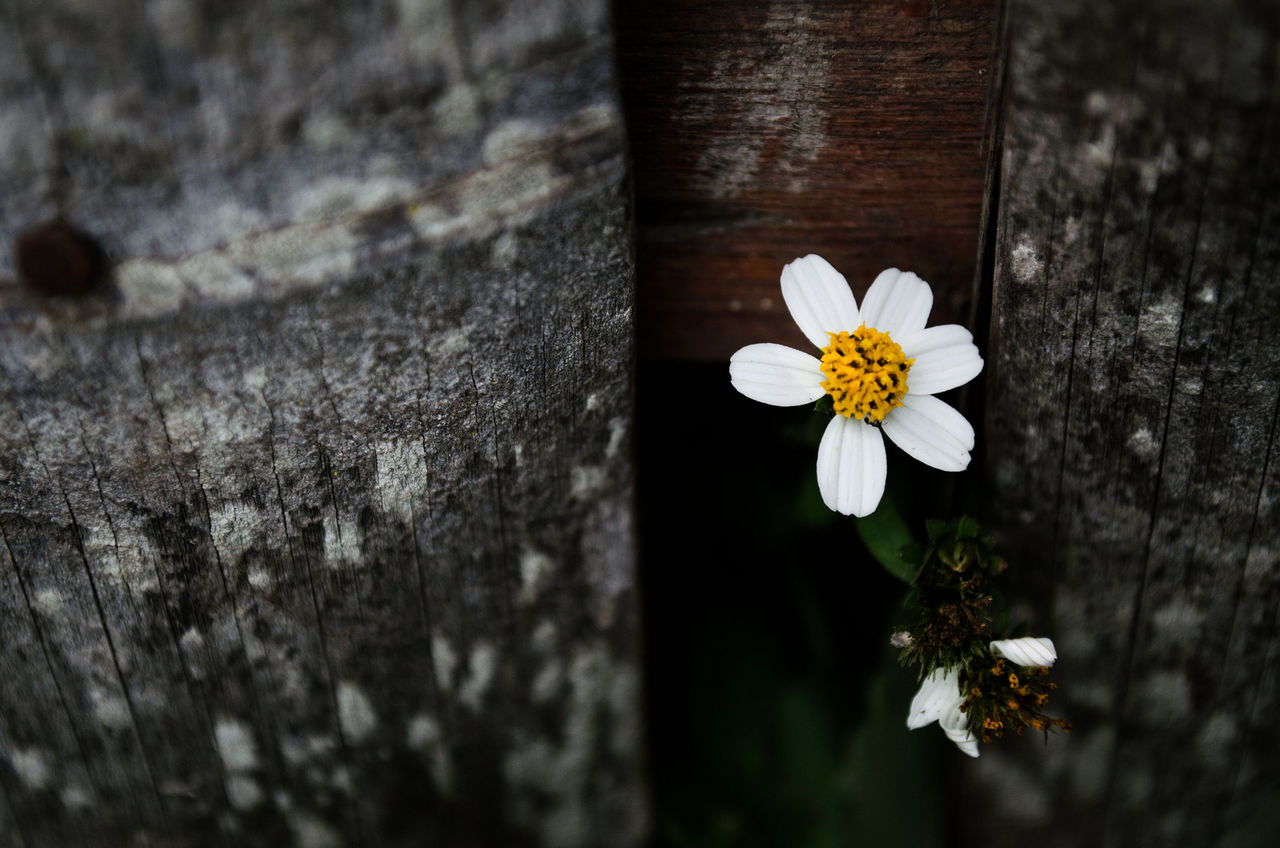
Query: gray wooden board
[[1133, 392], [316, 519]]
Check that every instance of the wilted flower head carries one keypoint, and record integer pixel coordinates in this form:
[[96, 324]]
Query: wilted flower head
[[1000, 690], [975, 688], [1007, 693]]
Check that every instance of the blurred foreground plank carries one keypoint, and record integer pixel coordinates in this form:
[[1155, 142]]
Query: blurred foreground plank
[[315, 520]]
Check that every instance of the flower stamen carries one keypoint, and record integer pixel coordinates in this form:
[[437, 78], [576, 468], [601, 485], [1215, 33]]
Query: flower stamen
[[866, 373]]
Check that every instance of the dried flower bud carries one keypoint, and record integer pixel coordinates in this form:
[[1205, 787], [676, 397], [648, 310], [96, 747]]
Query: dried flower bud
[[901, 639]]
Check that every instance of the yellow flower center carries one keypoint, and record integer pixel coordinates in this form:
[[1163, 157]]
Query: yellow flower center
[[866, 373]]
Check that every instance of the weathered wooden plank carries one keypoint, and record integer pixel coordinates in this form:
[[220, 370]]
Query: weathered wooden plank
[[316, 517], [1134, 394], [763, 131]]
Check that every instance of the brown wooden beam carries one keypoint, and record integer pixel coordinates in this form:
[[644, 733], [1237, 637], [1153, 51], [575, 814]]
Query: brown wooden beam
[[762, 132]]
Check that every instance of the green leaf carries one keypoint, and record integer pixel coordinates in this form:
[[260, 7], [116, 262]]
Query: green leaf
[[936, 528], [885, 534], [912, 556]]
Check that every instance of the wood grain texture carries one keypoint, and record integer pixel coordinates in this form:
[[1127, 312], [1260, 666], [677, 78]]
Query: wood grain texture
[[1133, 396], [316, 519], [766, 131]]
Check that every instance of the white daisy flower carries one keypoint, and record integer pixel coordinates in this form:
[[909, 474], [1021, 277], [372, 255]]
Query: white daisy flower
[[868, 357]]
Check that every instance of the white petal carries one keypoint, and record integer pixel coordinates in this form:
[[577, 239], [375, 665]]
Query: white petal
[[939, 692], [930, 431], [945, 357], [956, 725], [776, 375], [933, 338], [1028, 651], [897, 303], [819, 299], [851, 467]]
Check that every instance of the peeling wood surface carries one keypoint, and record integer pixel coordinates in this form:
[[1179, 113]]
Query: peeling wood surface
[[1134, 387], [766, 131], [316, 520]]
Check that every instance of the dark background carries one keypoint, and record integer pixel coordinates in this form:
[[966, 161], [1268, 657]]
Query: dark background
[[776, 706]]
